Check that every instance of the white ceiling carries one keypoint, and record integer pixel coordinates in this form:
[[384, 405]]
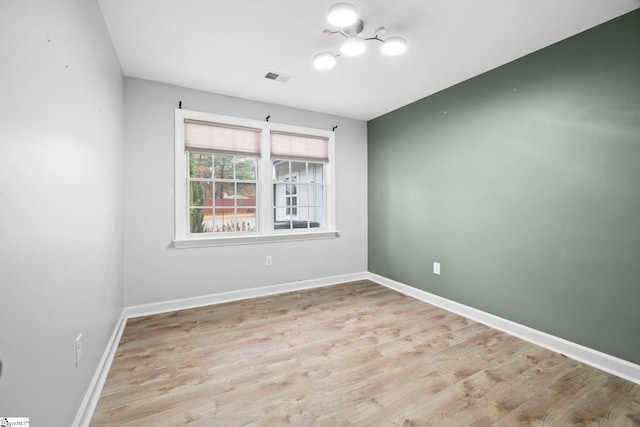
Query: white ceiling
[[227, 46]]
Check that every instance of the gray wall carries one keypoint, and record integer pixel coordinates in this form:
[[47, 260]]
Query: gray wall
[[155, 272], [61, 201], [524, 183]]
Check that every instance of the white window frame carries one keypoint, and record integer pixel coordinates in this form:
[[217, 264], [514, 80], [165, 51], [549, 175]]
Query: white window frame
[[264, 209]]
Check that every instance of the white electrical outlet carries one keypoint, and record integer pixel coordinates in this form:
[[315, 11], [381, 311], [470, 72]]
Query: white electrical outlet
[[269, 261], [78, 349], [436, 268]]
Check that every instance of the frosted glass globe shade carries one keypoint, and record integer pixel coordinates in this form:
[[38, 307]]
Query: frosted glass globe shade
[[394, 46], [353, 46], [324, 60], [342, 14]]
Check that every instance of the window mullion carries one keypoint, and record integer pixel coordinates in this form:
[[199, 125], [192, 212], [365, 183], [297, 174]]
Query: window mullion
[[265, 201]]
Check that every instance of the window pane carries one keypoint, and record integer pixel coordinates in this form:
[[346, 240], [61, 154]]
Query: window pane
[[224, 220], [247, 194], [229, 220], [316, 195], [225, 192], [280, 169], [299, 170], [201, 193], [303, 194], [303, 217], [281, 219], [246, 207], [223, 167], [316, 172], [291, 190], [279, 194], [309, 217], [316, 215], [245, 168], [246, 220], [200, 165], [200, 220]]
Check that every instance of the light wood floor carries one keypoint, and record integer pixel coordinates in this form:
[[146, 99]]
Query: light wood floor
[[356, 354]]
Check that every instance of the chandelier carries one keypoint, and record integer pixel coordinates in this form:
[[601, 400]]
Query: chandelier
[[344, 16]]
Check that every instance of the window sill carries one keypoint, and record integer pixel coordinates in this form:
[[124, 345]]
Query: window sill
[[199, 242]]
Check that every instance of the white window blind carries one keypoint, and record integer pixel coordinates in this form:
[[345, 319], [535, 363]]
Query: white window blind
[[222, 139], [299, 147]]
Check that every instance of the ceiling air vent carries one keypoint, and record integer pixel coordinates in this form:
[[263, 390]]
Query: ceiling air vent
[[279, 77]]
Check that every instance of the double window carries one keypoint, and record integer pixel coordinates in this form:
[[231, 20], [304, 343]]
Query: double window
[[243, 181]]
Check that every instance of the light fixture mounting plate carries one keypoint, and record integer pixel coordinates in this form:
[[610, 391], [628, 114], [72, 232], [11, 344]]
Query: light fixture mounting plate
[[354, 29]]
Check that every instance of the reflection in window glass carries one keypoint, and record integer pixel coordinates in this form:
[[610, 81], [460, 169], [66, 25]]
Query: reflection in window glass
[[298, 194]]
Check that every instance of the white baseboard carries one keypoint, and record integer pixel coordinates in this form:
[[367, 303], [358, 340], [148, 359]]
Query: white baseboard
[[182, 304], [88, 405], [613, 365]]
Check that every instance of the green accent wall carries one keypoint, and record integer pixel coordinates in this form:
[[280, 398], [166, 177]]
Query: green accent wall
[[524, 183]]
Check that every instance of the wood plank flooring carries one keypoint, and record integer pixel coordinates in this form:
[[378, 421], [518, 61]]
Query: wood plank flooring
[[356, 354]]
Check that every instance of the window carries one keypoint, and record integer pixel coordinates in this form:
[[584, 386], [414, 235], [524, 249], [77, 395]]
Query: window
[[222, 193], [298, 163], [244, 181]]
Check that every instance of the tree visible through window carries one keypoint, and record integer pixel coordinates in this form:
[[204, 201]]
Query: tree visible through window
[[222, 193]]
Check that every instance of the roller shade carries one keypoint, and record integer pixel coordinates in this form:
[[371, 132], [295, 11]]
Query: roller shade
[[299, 147], [222, 139]]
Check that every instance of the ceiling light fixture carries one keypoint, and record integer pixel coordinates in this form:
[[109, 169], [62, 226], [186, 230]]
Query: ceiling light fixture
[[344, 16], [353, 46], [324, 60], [394, 46]]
